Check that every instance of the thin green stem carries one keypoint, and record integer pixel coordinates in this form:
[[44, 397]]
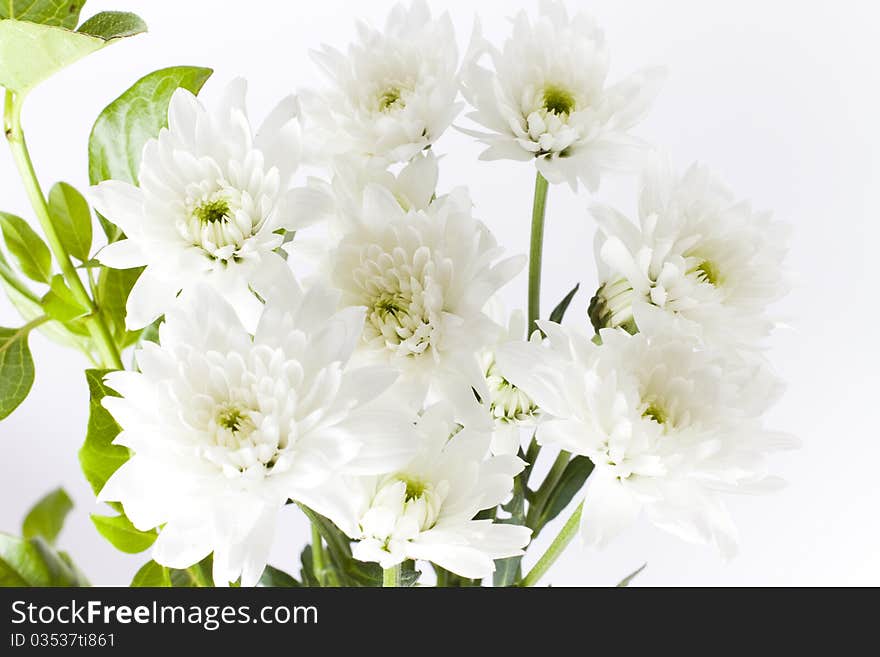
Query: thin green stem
[[24, 330], [557, 547], [536, 509], [319, 565], [536, 248], [94, 320], [391, 577], [12, 279]]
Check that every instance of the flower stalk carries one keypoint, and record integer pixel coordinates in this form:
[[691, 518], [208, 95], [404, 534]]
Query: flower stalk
[[391, 577], [97, 327], [557, 547], [536, 248]]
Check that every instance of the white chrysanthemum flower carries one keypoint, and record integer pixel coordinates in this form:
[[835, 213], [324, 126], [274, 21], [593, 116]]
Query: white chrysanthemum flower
[[511, 409], [211, 201], [394, 93], [668, 425], [546, 98], [225, 428], [426, 509], [425, 277], [697, 253]]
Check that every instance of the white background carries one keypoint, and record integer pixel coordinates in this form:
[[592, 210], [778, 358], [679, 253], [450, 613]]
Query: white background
[[780, 98]]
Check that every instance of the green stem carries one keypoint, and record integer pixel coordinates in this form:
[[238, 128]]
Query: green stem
[[536, 248], [536, 509], [12, 279], [318, 563], [15, 136], [557, 547], [391, 577]]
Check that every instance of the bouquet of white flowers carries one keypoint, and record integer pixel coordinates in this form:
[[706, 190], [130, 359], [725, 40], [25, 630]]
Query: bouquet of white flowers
[[313, 321]]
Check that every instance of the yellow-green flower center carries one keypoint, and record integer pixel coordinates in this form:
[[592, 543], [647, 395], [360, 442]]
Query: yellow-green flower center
[[212, 211], [558, 100]]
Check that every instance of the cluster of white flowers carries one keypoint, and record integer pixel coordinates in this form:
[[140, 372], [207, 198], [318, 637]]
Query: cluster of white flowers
[[383, 390]]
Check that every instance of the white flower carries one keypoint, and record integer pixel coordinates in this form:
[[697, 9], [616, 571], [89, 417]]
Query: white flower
[[697, 253], [211, 200], [425, 510], [546, 98], [511, 409], [225, 428], [424, 277], [668, 425], [394, 93]]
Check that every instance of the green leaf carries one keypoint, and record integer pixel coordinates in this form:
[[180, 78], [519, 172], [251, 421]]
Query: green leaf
[[48, 50], [98, 457], [572, 480], [629, 578], [113, 25], [26, 246], [151, 574], [559, 311], [124, 536], [507, 571], [55, 331], [72, 220], [16, 368], [114, 286], [33, 562], [61, 13], [46, 517], [59, 303], [126, 124], [197, 575], [273, 577]]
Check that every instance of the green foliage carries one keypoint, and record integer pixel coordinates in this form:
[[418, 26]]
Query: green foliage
[[59, 302], [273, 577], [572, 480], [123, 535], [61, 13], [72, 220], [49, 49], [198, 575], [126, 124], [114, 286], [26, 247], [46, 518], [559, 311], [98, 457], [507, 571], [33, 562], [626, 581], [113, 25], [16, 368], [151, 574]]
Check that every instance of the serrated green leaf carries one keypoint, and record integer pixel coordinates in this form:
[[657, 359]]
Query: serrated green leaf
[[16, 368], [99, 458], [33, 562], [26, 247], [113, 25], [559, 311], [59, 302], [151, 574], [62, 13], [72, 220], [626, 581], [572, 480], [125, 125], [46, 517], [273, 577], [124, 536]]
